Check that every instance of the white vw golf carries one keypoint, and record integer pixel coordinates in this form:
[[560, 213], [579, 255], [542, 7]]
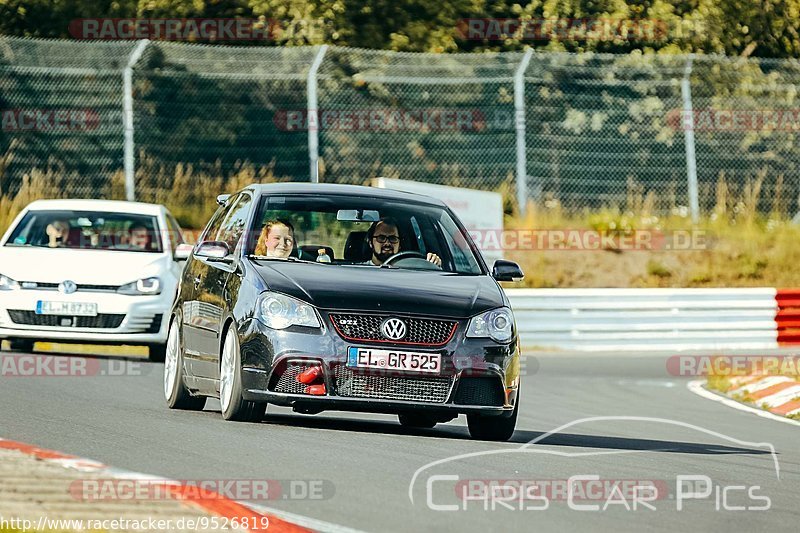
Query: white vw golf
[[91, 271]]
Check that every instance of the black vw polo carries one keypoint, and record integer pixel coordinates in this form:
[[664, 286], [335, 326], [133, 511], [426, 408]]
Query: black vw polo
[[328, 328]]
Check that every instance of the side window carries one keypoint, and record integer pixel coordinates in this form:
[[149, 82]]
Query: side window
[[234, 222], [465, 261], [212, 228]]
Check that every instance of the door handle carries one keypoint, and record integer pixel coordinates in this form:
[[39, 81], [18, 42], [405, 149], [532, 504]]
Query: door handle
[[197, 281]]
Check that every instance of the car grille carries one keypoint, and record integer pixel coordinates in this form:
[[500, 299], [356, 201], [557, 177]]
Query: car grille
[[480, 391], [417, 389], [30, 318], [421, 331], [33, 285], [287, 382]]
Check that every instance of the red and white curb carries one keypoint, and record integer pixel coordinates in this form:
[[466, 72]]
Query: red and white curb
[[775, 392], [218, 505]]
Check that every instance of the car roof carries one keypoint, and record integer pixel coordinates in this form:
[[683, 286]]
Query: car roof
[[114, 206], [343, 190]]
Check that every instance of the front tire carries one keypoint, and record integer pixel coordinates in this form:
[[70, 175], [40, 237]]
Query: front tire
[[234, 406], [175, 391], [495, 428], [21, 345], [157, 353], [416, 421]]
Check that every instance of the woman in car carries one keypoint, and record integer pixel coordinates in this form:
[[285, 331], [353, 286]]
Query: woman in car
[[276, 239]]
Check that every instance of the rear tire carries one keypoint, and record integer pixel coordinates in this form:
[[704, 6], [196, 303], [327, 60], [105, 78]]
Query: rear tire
[[21, 345], [416, 421], [495, 428], [175, 392], [157, 353], [234, 406]]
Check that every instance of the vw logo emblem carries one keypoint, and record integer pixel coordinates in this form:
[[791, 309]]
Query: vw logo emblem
[[393, 329], [67, 287]]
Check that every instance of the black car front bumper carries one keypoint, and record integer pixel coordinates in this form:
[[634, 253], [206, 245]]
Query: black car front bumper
[[267, 352]]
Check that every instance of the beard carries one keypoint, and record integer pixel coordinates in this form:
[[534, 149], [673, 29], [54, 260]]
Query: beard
[[384, 254]]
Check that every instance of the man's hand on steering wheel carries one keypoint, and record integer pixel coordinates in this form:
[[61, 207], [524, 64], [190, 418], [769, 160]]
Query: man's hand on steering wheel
[[435, 259], [431, 258]]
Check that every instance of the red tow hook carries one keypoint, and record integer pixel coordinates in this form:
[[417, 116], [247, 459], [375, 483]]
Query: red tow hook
[[309, 375], [316, 390]]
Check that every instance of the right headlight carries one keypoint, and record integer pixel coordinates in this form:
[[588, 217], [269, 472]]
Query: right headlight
[[7, 284], [495, 324], [279, 311]]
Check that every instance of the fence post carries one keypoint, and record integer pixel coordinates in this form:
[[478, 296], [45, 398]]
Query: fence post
[[127, 118], [688, 138], [519, 125], [313, 116]]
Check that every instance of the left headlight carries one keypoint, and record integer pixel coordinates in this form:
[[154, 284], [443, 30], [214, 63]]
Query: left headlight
[[279, 311], [7, 284], [146, 286], [495, 324]]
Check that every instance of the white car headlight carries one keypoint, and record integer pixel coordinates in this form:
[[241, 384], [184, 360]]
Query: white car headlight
[[279, 311], [7, 284], [495, 324], [146, 286]]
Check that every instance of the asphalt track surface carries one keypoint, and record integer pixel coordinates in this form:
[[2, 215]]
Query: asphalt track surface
[[370, 460]]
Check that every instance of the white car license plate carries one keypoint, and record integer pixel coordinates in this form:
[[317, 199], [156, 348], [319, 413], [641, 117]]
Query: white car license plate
[[66, 308], [394, 360]]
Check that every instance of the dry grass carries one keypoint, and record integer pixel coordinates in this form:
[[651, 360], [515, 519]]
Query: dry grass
[[734, 246]]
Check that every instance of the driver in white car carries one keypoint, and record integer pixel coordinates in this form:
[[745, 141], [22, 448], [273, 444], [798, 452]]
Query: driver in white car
[[384, 241]]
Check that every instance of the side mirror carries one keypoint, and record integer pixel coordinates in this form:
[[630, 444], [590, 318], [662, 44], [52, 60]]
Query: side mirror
[[182, 252], [507, 271], [222, 199], [213, 250]]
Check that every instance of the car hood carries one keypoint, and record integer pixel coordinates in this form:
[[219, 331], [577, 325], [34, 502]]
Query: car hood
[[84, 267], [363, 288]]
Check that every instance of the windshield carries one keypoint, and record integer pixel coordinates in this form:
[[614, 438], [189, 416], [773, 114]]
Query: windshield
[[361, 232], [87, 230]]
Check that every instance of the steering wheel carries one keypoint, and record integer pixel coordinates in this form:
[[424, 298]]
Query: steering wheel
[[418, 259]]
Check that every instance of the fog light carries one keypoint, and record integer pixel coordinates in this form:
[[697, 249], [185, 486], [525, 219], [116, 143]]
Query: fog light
[[309, 375]]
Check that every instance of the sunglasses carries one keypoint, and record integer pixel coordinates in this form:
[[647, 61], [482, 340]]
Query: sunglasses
[[383, 238]]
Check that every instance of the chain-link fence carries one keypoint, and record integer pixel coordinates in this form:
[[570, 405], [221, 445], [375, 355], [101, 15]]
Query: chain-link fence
[[598, 130]]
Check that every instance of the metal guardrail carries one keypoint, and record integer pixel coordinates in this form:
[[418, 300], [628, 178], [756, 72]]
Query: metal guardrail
[[646, 319]]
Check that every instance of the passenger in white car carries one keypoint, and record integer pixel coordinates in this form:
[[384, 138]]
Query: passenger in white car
[[57, 233]]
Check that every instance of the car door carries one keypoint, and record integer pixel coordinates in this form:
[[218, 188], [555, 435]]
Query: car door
[[195, 316], [213, 298]]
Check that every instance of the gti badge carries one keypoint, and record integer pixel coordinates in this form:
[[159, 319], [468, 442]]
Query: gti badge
[[67, 287], [393, 329]]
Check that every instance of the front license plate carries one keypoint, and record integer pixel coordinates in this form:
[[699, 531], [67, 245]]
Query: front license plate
[[394, 360], [66, 308]]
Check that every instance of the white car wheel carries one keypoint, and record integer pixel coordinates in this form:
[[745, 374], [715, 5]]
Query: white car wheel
[[171, 362], [227, 371], [175, 392]]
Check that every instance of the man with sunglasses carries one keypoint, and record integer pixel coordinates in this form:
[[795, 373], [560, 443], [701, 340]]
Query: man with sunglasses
[[384, 241]]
